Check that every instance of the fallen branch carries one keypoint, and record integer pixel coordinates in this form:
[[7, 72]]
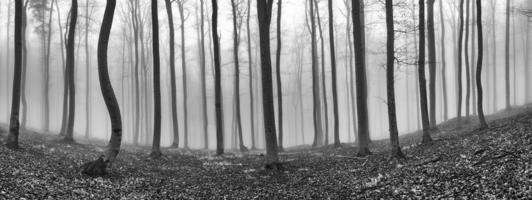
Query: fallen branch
[[433, 160], [486, 159]]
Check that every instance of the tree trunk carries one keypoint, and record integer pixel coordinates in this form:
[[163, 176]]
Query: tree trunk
[[334, 78], [459, 57], [318, 137], [466, 52], [65, 112], [47, 70], [70, 63], [135, 26], [507, 56], [203, 80], [264, 13], [24, 66], [156, 150], [87, 73], [473, 56], [390, 60], [175, 142], [444, 64], [361, 81], [236, 43], [14, 125], [323, 77], [421, 75], [180, 4], [432, 62], [480, 108], [250, 69], [278, 76], [8, 32], [494, 55], [217, 81]]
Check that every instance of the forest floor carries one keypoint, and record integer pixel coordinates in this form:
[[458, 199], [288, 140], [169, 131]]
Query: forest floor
[[463, 161]]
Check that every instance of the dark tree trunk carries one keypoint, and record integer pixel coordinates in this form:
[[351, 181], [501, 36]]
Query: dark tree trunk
[[361, 81], [70, 63], [65, 112], [334, 78], [432, 62], [175, 142], [180, 4], [14, 125], [390, 59], [236, 43], [264, 14], [278, 75], [466, 61], [480, 108], [507, 56], [421, 75], [250, 69], [323, 79], [217, 81], [318, 133], [98, 167], [156, 149], [443, 64], [459, 66]]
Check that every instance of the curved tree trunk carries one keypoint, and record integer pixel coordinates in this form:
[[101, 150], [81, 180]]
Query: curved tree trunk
[[480, 108], [156, 149], [70, 63], [175, 142], [278, 76], [459, 57], [14, 125]]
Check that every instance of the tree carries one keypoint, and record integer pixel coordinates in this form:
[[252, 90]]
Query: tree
[[432, 62], [324, 86], [334, 78], [217, 81], [14, 125], [24, 100], [250, 69], [98, 167], [237, 24], [264, 14], [318, 137], [175, 142], [390, 60], [278, 75], [507, 56], [70, 63], [156, 150], [203, 79], [459, 66], [443, 64], [87, 65], [421, 75], [180, 4], [480, 108], [466, 52], [361, 81], [64, 114]]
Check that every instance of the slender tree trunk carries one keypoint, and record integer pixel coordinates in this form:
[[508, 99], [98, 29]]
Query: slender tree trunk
[[432, 62], [8, 33], [180, 4], [494, 55], [24, 66], [480, 108], [421, 75], [203, 79], [65, 112], [334, 78], [87, 73], [264, 13], [507, 56], [459, 66], [527, 60], [250, 69], [443, 64], [318, 137], [278, 76], [156, 150], [473, 56], [390, 60], [236, 43], [217, 81], [70, 63], [361, 81], [175, 142], [466, 61], [14, 125], [135, 26], [323, 77]]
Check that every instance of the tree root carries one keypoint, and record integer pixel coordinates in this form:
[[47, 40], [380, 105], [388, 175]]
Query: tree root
[[95, 168]]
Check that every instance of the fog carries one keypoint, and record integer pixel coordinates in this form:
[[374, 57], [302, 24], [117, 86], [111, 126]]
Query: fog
[[296, 58]]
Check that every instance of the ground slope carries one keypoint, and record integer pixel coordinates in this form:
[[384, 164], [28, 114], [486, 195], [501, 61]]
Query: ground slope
[[463, 162]]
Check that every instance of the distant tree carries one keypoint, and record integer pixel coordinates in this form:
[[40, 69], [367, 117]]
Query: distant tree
[[181, 5], [156, 149], [278, 75], [390, 85], [459, 66], [334, 78], [89, 8], [217, 81], [175, 142], [421, 75], [507, 55], [250, 69], [99, 166], [70, 63], [323, 85], [64, 114], [443, 63], [7, 50], [264, 14], [318, 132], [480, 108], [361, 80], [24, 100], [432, 62], [14, 124], [135, 23], [494, 54], [203, 79]]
